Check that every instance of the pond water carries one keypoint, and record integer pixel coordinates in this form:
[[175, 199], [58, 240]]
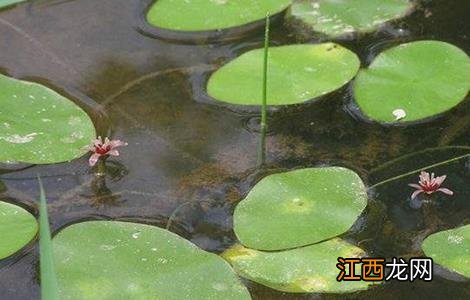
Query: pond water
[[186, 149]]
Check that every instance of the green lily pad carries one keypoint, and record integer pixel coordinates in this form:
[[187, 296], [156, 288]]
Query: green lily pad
[[120, 260], [17, 228], [310, 269], [299, 207], [205, 15], [422, 79], [450, 249], [339, 17], [296, 73], [39, 126], [5, 3]]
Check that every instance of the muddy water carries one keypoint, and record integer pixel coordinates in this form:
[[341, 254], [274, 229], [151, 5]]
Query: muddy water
[[185, 148]]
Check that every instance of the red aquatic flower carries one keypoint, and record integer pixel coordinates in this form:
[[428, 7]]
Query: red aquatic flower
[[428, 184], [103, 149]]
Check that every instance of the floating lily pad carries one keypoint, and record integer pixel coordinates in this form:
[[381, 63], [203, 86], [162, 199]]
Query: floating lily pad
[[422, 78], [205, 15], [119, 260], [17, 228], [339, 17], [300, 207], [310, 269], [296, 73], [450, 249], [39, 126], [5, 3]]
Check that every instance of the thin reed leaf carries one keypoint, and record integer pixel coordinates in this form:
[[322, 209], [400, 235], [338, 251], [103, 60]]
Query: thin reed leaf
[[49, 289]]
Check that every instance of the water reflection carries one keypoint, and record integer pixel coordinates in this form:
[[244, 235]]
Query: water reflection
[[183, 150]]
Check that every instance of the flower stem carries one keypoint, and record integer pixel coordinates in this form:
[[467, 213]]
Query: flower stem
[[419, 170], [101, 167], [265, 74], [262, 151]]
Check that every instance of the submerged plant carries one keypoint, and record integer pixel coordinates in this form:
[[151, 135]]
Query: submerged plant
[[429, 184], [104, 149]]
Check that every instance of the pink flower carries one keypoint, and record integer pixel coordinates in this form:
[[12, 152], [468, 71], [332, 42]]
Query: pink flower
[[105, 149], [428, 184]]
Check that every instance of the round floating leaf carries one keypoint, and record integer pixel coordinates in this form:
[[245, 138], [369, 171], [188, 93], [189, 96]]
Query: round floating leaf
[[310, 269], [450, 249], [17, 228], [338, 17], [300, 207], [39, 126], [296, 73], [204, 15], [422, 78], [119, 260], [5, 3]]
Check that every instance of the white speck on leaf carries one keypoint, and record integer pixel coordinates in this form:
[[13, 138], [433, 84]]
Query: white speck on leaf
[[455, 239], [18, 139], [399, 114]]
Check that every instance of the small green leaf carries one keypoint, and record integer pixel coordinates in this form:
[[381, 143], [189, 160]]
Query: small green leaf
[[423, 79], [339, 17], [5, 3], [296, 73], [39, 126], [310, 269], [205, 15], [17, 228], [300, 207], [120, 260], [450, 249]]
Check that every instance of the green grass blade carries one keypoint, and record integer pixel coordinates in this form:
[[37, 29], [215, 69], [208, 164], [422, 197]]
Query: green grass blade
[[262, 149], [265, 73], [49, 290]]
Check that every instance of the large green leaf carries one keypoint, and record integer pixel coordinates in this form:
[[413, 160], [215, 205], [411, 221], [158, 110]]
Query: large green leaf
[[203, 15], [300, 207], [310, 269], [421, 78], [17, 228], [5, 3], [450, 249], [338, 17], [39, 126], [119, 260], [296, 73]]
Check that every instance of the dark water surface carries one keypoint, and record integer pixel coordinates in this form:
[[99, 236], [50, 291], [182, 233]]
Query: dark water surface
[[183, 147]]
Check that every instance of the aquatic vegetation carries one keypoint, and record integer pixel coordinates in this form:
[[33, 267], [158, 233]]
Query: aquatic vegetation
[[293, 73], [104, 149], [49, 289], [423, 78], [450, 249], [17, 228], [40, 126], [6, 3], [204, 15], [302, 270], [429, 184], [264, 104], [303, 206], [341, 17], [121, 260], [195, 163]]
